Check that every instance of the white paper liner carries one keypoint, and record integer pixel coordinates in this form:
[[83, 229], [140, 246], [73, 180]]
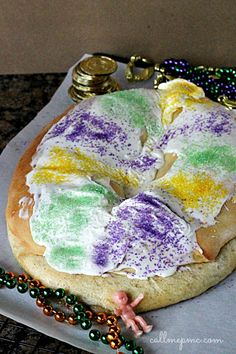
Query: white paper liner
[[205, 324]]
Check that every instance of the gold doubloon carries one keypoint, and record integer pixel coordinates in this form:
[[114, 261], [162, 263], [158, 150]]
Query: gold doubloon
[[98, 65], [91, 77]]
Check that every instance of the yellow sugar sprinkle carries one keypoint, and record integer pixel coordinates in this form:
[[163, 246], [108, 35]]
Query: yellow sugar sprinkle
[[94, 167], [58, 169], [194, 190], [177, 95], [62, 164]]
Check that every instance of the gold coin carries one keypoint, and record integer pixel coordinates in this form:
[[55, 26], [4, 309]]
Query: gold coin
[[73, 95], [85, 88], [82, 81], [77, 95], [98, 88], [82, 94], [98, 65], [80, 76]]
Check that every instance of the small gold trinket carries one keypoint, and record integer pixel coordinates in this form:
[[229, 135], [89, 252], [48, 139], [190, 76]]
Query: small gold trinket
[[145, 74], [91, 77], [98, 65], [230, 104]]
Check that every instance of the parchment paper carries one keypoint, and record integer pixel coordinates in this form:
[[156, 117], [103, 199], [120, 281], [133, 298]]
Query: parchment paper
[[203, 325]]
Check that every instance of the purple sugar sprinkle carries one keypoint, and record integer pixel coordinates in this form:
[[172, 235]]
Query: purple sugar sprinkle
[[91, 127], [59, 128], [90, 131], [215, 122], [152, 230], [143, 162], [100, 257]]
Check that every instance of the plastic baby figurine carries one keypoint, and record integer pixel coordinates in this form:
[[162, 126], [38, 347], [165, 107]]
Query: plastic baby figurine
[[125, 310]]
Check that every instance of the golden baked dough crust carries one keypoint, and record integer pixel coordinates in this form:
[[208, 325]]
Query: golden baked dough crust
[[97, 290]]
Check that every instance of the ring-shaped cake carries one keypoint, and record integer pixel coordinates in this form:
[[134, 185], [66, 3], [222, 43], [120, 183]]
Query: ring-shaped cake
[[132, 190]]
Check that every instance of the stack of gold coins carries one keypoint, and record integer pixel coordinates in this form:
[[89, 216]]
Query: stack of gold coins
[[92, 77]]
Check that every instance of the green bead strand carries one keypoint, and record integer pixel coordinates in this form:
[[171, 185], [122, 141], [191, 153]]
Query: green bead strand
[[34, 292], [22, 288], [122, 338], [46, 292], [130, 345], [86, 324], [59, 293], [7, 277], [78, 308], [71, 299], [94, 334], [81, 316], [11, 283], [2, 280], [138, 350], [104, 339]]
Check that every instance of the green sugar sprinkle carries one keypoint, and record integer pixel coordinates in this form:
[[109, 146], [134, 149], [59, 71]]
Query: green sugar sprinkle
[[73, 251], [215, 156], [70, 256], [96, 188], [57, 218], [139, 112], [68, 212], [82, 200]]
